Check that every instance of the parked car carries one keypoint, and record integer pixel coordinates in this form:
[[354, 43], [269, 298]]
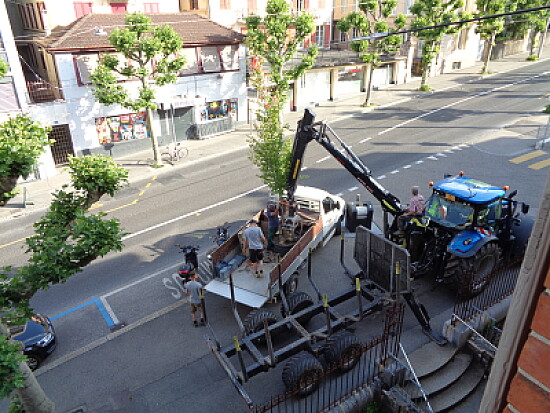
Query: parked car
[[38, 337]]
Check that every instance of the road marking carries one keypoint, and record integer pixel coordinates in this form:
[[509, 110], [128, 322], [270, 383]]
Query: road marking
[[139, 281], [540, 165], [433, 158], [14, 242], [394, 171], [100, 306], [142, 192], [448, 151], [441, 155], [407, 166], [200, 210], [527, 156], [322, 159], [365, 140], [419, 162], [381, 177], [109, 310], [353, 188]]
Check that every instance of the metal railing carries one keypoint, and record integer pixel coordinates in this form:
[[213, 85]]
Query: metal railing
[[333, 386], [42, 91]]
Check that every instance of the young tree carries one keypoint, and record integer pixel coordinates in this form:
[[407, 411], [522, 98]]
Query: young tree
[[370, 21], [431, 13], [141, 45], [536, 21], [66, 239], [272, 42], [488, 29], [22, 141]]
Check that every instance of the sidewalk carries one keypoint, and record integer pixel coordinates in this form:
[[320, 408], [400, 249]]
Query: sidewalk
[[38, 193]]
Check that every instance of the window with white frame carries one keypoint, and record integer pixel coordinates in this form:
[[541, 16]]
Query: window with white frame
[[210, 58], [320, 36]]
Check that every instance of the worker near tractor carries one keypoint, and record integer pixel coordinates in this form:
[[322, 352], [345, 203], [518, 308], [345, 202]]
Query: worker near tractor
[[273, 223], [255, 242], [415, 209]]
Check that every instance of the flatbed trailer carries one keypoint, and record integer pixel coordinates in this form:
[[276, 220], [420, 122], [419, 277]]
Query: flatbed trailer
[[389, 264]]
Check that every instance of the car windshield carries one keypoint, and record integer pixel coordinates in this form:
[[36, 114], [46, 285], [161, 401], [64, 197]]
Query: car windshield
[[447, 211]]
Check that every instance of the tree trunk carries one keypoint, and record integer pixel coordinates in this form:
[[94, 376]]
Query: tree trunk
[[543, 38], [156, 155], [7, 184], [31, 395], [488, 50], [369, 85]]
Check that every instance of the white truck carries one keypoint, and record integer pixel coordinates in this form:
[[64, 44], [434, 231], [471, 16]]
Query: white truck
[[318, 216]]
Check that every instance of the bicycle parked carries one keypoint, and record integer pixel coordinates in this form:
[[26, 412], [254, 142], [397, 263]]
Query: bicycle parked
[[173, 152]]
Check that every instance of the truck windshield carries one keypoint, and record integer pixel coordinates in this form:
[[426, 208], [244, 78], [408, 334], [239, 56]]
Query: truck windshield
[[448, 212]]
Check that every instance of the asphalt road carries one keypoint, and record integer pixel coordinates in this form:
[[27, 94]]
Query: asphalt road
[[403, 145]]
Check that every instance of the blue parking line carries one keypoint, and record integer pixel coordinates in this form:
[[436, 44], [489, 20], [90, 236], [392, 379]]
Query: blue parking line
[[95, 301], [104, 312], [72, 310]]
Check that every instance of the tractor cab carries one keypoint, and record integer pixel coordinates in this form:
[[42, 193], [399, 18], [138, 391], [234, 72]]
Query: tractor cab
[[461, 203]]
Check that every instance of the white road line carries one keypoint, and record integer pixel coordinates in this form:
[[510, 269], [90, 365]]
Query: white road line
[[365, 140], [353, 188], [341, 118], [407, 166], [109, 310], [394, 171], [450, 105], [189, 214], [156, 273], [322, 159], [419, 162], [340, 194], [463, 145], [381, 177], [441, 155], [433, 158], [448, 151]]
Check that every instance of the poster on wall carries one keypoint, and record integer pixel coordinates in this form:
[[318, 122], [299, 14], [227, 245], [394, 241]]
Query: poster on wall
[[226, 108], [112, 129]]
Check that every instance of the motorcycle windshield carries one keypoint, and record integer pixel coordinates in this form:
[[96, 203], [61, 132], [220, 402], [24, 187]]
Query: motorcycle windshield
[[448, 212]]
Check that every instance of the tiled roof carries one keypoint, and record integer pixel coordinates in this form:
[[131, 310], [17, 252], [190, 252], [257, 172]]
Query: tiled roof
[[194, 30]]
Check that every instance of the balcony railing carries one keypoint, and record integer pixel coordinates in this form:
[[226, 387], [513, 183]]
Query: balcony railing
[[42, 91]]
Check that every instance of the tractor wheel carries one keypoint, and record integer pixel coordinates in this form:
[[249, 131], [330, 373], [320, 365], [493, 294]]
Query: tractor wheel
[[474, 271], [254, 321], [296, 303], [302, 373], [343, 349]]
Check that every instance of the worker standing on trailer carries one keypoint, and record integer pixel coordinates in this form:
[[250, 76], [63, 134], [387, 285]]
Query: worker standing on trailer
[[255, 242], [273, 223]]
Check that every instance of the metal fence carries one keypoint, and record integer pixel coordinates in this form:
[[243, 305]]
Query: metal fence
[[494, 287], [333, 386]]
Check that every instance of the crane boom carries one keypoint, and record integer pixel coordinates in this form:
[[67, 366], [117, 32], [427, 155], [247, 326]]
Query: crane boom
[[307, 131]]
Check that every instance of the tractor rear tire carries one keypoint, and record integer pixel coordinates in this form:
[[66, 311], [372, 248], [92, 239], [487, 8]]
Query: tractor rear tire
[[254, 321], [475, 271], [344, 350], [297, 302], [301, 373]]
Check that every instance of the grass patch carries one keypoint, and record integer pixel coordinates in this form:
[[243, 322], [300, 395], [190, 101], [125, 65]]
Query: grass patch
[[424, 88], [533, 58], [547, 110]]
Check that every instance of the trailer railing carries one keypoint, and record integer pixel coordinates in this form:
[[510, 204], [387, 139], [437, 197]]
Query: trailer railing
[[333, 386]]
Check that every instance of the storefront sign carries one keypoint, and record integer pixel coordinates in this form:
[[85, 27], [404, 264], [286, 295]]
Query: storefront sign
[[219, 109]]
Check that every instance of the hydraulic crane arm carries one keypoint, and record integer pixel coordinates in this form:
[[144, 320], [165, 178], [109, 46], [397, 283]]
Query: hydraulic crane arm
[[308, 131]]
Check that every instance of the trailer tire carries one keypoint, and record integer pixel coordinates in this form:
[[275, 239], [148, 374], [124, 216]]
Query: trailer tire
[[343, 349], [254, 321], [297, 302], [338, 227], [302, 373], [474, 271], [291, 284]]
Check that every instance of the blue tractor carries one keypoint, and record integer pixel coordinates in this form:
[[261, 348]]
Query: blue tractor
[[467, 227]]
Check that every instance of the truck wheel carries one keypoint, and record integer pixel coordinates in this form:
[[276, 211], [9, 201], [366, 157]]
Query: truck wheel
[[254, 321], [338, 228], [343, 349], [291, 284], [474, 270], [302, 373], [296, 303]]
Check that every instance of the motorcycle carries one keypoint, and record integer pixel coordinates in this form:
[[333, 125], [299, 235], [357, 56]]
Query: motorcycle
[[191, 262], [222, 234]]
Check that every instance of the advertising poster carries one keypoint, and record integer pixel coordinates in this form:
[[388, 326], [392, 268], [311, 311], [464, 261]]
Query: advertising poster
[[219, 109], [121, 128]]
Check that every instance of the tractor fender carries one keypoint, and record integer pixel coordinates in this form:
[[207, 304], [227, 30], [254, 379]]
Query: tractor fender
[[466, 243]]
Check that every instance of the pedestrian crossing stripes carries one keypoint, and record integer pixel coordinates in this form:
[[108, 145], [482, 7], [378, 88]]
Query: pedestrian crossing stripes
[[532, 156]]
